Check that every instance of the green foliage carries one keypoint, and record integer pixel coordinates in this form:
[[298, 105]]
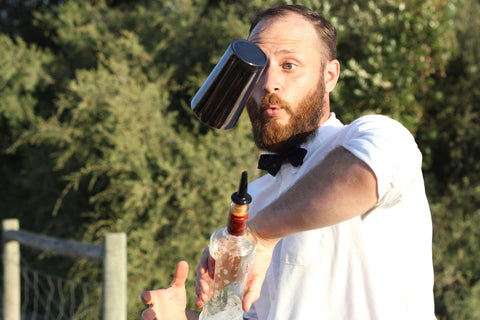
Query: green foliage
[[24, 81], [389, 51], [97, 135], [21, 75], [457, 217], [125, 163], [449, 136]]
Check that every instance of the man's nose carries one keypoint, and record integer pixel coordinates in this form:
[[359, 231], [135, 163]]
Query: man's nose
[[270, 81]]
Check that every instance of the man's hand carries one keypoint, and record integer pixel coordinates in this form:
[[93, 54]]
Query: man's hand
[[257, 275], [169, 303]]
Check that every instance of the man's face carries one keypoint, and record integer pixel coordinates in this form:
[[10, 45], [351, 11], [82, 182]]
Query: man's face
[[287, 103], [272, 135]]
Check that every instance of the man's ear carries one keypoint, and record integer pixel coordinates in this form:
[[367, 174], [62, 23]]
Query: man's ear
[[332, 72]]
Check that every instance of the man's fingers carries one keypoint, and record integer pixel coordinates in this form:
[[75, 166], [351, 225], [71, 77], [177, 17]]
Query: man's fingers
[[199, 302], [149, 314], [146, 297], [203, 264], [202, 291], [201, 283], [181, 274]]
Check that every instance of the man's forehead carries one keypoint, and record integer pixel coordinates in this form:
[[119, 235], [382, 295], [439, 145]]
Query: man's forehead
[[291, 28], [268, 21]]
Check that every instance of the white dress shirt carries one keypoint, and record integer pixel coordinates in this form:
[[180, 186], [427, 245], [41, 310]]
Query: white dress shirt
[[376, 266]]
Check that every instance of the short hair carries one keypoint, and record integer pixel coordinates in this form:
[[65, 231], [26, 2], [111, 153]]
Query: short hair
[[325, 30]]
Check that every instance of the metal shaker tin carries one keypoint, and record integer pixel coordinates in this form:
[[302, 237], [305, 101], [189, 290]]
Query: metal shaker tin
[[222, 97]]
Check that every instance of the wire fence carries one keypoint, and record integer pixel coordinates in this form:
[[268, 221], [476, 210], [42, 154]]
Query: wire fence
[[29, 293], [50, 297]]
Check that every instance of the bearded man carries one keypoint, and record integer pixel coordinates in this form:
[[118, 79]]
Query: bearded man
[[344, 233]]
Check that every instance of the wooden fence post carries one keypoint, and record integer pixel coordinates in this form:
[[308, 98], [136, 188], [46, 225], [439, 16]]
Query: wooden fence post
[[11, 273], [113, 253], [115, 277]]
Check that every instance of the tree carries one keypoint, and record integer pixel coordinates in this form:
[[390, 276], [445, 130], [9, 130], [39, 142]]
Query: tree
[[126, 153], [98, 136], [449, 136]]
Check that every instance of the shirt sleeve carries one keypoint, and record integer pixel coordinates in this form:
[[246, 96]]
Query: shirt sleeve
[[390, 150]]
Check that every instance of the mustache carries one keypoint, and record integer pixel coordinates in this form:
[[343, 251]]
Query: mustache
[[272, 98]]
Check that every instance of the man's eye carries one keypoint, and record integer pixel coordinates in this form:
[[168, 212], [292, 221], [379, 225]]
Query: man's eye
[[289, 66]]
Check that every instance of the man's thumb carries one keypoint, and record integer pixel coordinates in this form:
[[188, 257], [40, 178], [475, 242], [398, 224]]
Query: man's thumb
[[181, 274], [252, 294]]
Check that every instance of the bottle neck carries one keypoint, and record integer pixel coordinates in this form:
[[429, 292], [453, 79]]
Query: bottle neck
[[237, 219]]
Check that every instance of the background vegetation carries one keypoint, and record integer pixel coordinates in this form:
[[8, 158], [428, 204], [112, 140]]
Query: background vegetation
[[96, 134]]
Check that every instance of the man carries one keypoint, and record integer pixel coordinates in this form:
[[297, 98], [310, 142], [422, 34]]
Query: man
[[346, 235]]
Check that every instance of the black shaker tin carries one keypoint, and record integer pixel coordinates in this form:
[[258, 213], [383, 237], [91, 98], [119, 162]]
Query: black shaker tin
[[222, 97]]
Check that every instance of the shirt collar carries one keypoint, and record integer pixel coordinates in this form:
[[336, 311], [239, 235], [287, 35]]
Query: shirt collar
[[322, 134]]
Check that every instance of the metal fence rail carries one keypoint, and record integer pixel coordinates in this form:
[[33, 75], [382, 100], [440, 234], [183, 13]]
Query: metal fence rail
[[113, 255]]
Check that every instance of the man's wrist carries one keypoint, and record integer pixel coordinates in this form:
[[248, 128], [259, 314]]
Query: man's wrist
[[265, 242]]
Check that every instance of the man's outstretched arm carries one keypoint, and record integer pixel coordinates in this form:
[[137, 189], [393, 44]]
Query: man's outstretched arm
[[339, 188]]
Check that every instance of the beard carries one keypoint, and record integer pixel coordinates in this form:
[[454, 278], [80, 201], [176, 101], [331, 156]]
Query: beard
[[272, 136]]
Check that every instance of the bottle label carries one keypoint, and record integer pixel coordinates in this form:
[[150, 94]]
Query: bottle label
[[211, 267]]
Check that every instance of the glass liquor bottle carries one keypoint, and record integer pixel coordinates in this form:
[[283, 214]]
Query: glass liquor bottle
[[232, 250]]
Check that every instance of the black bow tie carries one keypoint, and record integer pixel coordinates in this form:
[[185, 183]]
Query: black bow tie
[[273, 162]]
